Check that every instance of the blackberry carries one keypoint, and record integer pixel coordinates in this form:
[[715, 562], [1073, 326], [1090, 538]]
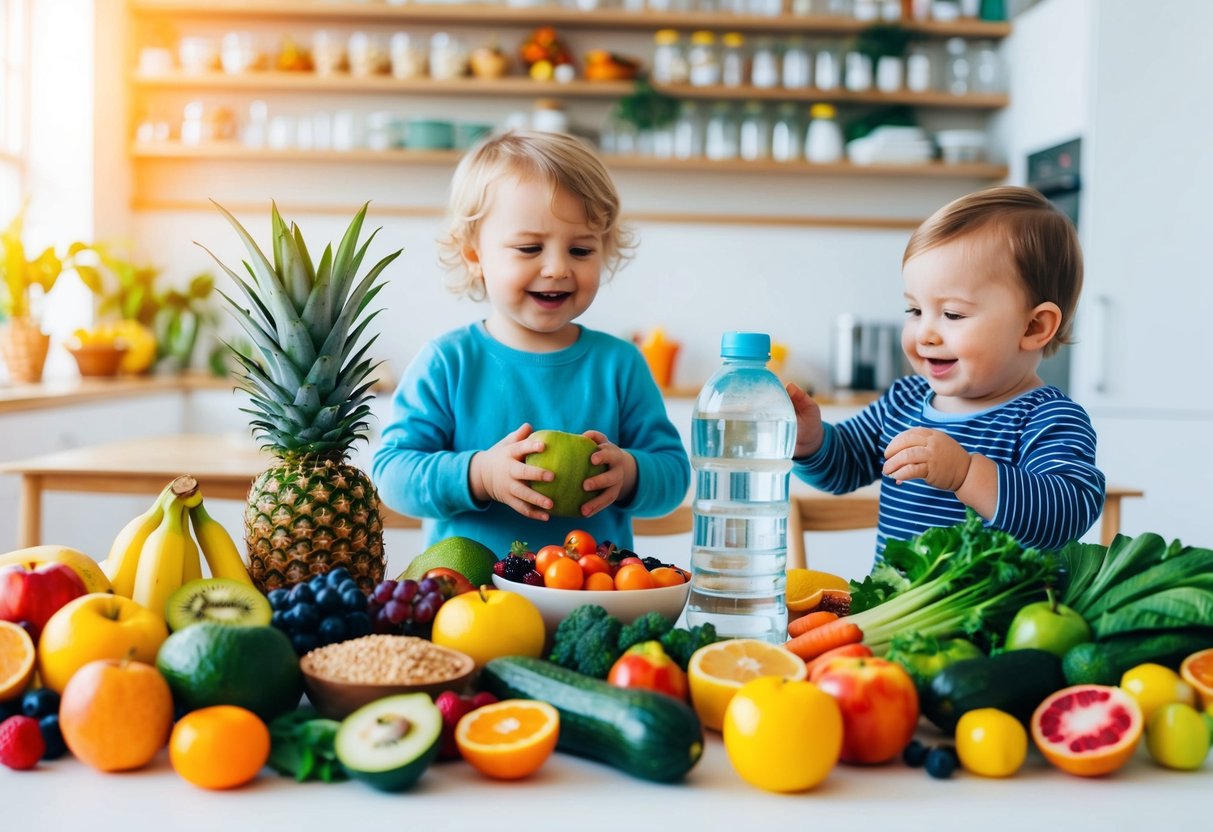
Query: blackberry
[[653, 563], [515, 568]]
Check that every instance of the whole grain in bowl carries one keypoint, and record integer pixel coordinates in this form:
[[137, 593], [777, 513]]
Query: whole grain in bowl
[[385, 660]]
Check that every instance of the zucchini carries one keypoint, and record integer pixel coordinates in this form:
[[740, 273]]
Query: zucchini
[[1015, 681], [1104, 662], [646, 734]]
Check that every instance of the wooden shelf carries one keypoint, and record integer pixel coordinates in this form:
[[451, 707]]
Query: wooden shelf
[[521, 86], [551, 15], [234, 152]]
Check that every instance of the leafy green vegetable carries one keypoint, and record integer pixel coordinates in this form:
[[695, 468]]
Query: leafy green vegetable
[[301, 746], [681, 644], [590, 640], [924, 656], [649, 627], [963, 580]]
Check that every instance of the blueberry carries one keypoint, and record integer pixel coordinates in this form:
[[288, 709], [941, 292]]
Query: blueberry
[[40, 702], [52, 737], [333, 629], [279, 619], [10, 708], [338, 576], [318, 583], [329, 600], [278, 598], [303, 618], [305, 642], [353, 599], [941, 762], [357, 624], [302, 593], [914, 754]]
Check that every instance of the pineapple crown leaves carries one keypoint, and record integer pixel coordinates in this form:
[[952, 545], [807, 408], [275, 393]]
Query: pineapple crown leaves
[[309, 393]]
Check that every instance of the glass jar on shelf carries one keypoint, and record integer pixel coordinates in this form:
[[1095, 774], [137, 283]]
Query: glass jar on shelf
[[958, 78], [858, 71], [408, 59], [688, 132], [720, 136], [785, 134], [764, 66], [704, 59], [669, 59], [918, 69], [448, 57], [796, 71], [987, 68], [734, 71], [823, 139], [827, 73], [754, 133]]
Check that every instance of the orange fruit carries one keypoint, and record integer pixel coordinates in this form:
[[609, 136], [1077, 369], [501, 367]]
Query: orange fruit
[[599, 581], [563, 573], [508, 740], [718, 671], [16, 660], [806, 588], [634, 576], [115, 715], [1197, 671], [665, 576], [219, 747], [1088, 730]]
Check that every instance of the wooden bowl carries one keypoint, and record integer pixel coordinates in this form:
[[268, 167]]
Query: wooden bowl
[[98, 360], [337, 699]]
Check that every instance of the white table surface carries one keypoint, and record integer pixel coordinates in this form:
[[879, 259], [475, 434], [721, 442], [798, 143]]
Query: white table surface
[[575, 795]]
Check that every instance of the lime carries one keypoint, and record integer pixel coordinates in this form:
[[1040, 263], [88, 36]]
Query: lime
[[1177, 737], [567, 455], [213, 664], [469, 558]]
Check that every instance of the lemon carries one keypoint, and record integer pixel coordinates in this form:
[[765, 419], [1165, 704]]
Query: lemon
[[1177, 737], [991, 742], [716, 672], [782, 735], [806, 588], [1153, 685]]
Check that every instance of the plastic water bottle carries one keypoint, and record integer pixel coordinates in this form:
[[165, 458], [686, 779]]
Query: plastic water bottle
[[743, 432]]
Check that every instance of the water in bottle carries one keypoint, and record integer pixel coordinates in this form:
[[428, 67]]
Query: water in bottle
[[743, 432]]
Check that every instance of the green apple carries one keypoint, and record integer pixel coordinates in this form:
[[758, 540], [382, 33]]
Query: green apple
[[567, 455], [1047, 625]]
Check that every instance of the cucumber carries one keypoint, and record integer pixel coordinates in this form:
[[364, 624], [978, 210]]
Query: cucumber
[[646, 734], [1015, 681], [1104, 662], [389, 743]]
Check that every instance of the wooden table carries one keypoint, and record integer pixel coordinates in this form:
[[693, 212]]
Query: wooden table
[[225, 466]]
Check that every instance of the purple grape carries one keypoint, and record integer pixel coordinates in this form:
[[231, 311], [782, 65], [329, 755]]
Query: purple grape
[[383, 591], [424, 610], [405, 591], [428, 585], [397, 611], [382, 624]]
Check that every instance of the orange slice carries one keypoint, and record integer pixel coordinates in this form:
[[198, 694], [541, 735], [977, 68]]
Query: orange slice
[[1197, 671], [718, 671], [16, 660], [806, 587], [508, 740]]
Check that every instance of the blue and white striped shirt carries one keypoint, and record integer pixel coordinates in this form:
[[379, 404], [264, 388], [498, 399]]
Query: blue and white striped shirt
[[1049, 490]]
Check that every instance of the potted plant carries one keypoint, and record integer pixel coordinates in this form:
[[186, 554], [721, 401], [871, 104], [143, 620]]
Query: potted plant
[[23, 281]]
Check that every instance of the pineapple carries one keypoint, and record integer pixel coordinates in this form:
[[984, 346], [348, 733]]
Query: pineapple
[[312, 512]]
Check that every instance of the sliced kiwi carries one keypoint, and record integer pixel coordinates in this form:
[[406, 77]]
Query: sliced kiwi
[[220, 601]]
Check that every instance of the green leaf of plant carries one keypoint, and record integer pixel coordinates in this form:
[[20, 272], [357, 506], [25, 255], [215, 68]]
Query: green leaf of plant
[[1126, 557], [1166, 610], [1080, 563], [1168, 574]]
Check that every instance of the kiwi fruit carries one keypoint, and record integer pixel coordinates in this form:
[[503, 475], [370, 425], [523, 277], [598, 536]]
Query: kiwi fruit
[[219, 601]]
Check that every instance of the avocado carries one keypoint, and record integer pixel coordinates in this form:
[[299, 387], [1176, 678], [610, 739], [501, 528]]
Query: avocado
[[389, 743]]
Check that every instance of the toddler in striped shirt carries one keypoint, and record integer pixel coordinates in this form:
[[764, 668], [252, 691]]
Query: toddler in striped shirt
[[991, 284]]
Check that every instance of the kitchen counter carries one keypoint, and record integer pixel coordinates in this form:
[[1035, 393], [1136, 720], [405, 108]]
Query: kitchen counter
[[570, 793], [72, 391]]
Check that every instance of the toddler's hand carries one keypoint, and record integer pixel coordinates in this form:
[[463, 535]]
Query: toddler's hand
[[809, 431], [930, 455], [618, 481], [501, 474]]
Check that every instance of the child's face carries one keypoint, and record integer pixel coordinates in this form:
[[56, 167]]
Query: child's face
[[969, 328], [541, 263]]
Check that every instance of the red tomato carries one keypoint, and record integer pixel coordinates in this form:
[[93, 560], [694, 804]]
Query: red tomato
[[548, 555], [580, 543], [879, 707], [592, 564], [646, 666], [630, 560]]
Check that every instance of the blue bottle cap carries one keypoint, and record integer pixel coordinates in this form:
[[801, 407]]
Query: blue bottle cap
[[755, 346]]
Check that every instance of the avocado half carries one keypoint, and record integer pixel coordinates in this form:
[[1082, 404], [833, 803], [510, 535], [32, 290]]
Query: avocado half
[[389, 743]]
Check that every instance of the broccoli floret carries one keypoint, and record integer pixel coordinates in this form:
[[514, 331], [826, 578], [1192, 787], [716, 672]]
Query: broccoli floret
[[680, 645], [598, 648], [570, 631], [649, 627]]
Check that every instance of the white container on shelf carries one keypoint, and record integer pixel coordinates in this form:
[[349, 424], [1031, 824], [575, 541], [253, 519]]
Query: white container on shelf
[[195, 54], [956, 146], [328, 53], [889, 73], [823, 140]]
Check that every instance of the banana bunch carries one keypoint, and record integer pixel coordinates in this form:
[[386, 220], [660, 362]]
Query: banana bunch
[[155, 553]]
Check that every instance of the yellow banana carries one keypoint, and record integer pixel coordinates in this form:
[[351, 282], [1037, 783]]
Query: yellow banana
[[191, 568], [162, 560], [218, 547], [123, 561]]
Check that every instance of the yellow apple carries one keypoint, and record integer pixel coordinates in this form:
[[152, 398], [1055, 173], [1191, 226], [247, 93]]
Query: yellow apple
[[97, 626], [489, 623]]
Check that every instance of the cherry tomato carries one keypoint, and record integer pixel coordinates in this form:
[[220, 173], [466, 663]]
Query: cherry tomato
[[630, 561], [666, 576], [593, 564], [546, 556], [599, 582], [633, 576], [563, 573], [580, 543]]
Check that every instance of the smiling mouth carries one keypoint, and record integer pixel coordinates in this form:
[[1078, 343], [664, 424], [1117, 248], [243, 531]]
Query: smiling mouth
[[940, 366], [550, 300]]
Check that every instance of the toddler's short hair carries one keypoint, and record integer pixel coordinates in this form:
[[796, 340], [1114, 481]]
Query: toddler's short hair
[[1041, 243], [556, 158]]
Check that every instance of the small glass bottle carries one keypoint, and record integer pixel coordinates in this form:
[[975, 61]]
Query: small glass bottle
[[720, 135], [918, 69], [826, 71], [986, 68], [754, 135], [958, 78], [734, 71], [704, 60], [688, 132], [858, 72], [823, 139], [785, 134], [797, 69], [764, 69], [669, 59]]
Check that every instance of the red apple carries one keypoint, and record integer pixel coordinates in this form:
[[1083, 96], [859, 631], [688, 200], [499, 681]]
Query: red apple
[[454, 707], [34, 595], [879, 705], [647, 666], [452, 583]]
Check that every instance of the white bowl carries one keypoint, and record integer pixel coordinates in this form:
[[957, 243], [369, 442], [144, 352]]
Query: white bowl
[[626, 605]]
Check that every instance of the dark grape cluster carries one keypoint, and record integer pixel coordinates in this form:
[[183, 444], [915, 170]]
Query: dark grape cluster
[[519, 569], [325, 610], [405, 607]]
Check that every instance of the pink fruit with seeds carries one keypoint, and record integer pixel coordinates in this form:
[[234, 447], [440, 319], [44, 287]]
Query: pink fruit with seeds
[[1088, 730]]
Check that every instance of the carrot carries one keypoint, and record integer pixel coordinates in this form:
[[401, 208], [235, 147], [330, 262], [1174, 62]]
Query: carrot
[[826, 637], [800, 626], [853, 650]]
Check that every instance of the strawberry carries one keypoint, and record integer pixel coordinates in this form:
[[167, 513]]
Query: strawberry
[[21, 743], [454, 707]]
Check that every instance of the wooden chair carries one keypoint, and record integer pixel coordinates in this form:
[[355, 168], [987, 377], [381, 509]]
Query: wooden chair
[[825, 513]]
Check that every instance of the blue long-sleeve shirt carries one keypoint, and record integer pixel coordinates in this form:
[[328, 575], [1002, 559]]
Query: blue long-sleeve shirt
[[1042, 442], [465, 391]]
